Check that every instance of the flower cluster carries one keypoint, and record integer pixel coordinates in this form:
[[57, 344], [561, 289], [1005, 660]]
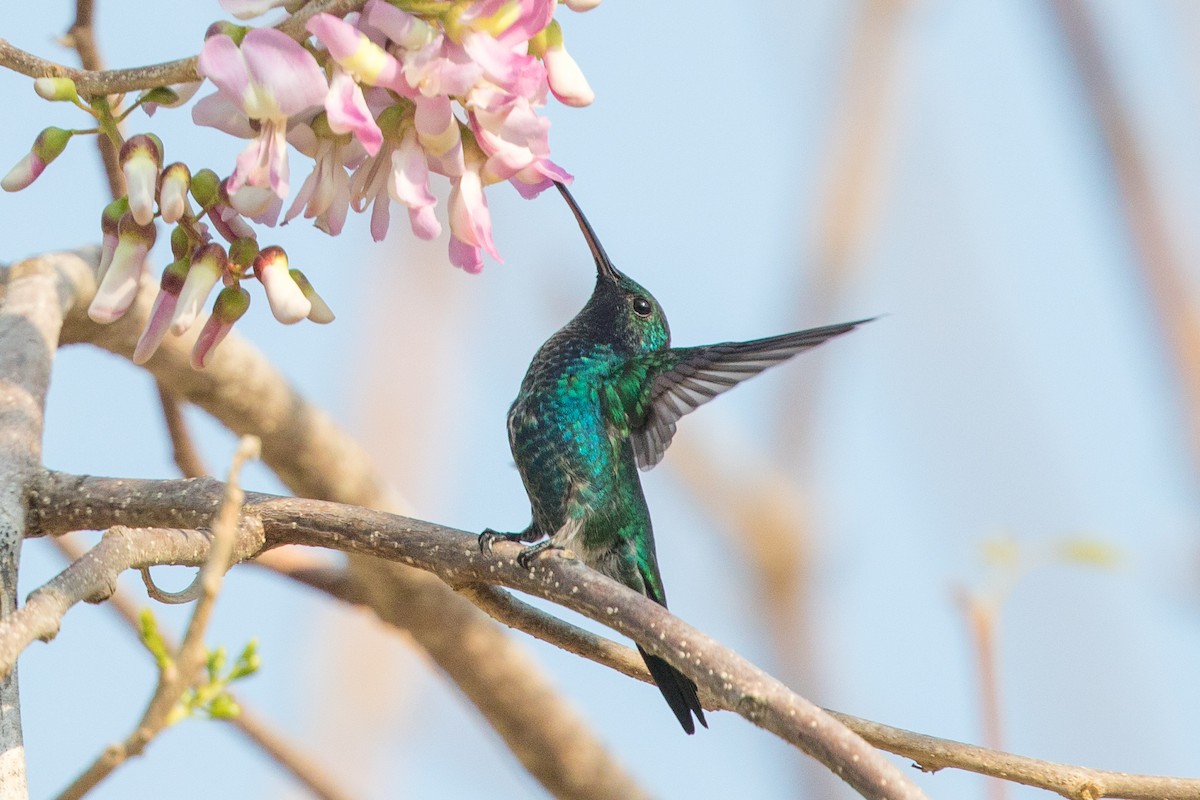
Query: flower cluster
[[381, 101]]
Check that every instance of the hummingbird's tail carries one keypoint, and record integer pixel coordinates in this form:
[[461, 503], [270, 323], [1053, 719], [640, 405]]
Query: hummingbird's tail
[[678, 689]]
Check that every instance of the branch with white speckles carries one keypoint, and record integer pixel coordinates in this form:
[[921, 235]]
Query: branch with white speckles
[[63, 502], [66, 502]]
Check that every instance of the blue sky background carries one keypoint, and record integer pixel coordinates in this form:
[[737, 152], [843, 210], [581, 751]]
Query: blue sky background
[[1017, 386]]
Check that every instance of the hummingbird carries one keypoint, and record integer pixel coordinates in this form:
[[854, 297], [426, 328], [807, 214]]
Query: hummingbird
[[600, 400]]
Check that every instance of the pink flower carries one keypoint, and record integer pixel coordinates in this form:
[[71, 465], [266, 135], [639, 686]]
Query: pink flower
[[432, 64], [369, 187], [439, 135], [359, 60], [325, 193], [508, 130], [269, 78]]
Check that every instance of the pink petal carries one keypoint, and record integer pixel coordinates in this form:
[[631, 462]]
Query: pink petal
[[566, 78], [424, 222], [218, 111], [287, 73], [409, 178], [465, 256], [348, 113], [381, 217], [470, 220], [222, 63]]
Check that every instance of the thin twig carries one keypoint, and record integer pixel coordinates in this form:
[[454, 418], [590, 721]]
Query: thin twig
[[183, 450], [179, 674], [118, 81], [81, 37], [303, 766], [981, 618]]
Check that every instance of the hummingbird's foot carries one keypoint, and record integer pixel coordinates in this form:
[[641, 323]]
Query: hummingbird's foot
[[490, 537], [526, 556]]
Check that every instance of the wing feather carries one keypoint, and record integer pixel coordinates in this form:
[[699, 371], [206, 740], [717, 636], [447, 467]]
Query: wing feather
[[688, 377]]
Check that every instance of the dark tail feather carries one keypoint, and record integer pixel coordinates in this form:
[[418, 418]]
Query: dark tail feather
[[678, 689]]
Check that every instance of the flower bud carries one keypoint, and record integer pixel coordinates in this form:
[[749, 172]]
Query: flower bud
[[119, 286], [110, 219], [227, 28], [169, 96], [288, 303], [243, 251], [181, 243], [46, 147], [562, 72], [172, 192], [206, 188], [321, 312], [56, 89], [141, 160], [164, 308], [207, 266], [581, 5], [231, 304]]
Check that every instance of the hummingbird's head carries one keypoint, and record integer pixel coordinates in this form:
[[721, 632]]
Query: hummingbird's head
[[620, 312]]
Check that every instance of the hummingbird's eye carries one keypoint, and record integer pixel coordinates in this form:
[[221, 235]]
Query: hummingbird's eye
[[642, 307]]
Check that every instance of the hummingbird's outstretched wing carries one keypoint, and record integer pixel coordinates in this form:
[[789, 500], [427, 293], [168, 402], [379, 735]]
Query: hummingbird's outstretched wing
[[681, 379]]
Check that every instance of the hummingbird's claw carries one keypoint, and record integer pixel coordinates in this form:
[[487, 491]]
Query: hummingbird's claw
[[489, 537], [526, 556]]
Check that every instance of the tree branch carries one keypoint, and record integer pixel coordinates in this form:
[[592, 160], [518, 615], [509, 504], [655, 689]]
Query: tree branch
[[65, 502], [30, 323], [184, 70]]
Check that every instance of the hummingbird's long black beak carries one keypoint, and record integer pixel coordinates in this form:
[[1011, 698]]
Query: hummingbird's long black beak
[[604, 267]]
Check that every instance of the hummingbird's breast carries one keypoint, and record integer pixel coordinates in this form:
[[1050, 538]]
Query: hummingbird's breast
[[568, 457]]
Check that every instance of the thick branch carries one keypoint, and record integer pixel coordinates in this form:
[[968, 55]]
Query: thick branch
[[66, 502], [454, 556], [30, 322], [119, 81]]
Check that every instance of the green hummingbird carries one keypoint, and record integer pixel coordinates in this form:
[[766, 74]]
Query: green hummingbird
[[600, 400]]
